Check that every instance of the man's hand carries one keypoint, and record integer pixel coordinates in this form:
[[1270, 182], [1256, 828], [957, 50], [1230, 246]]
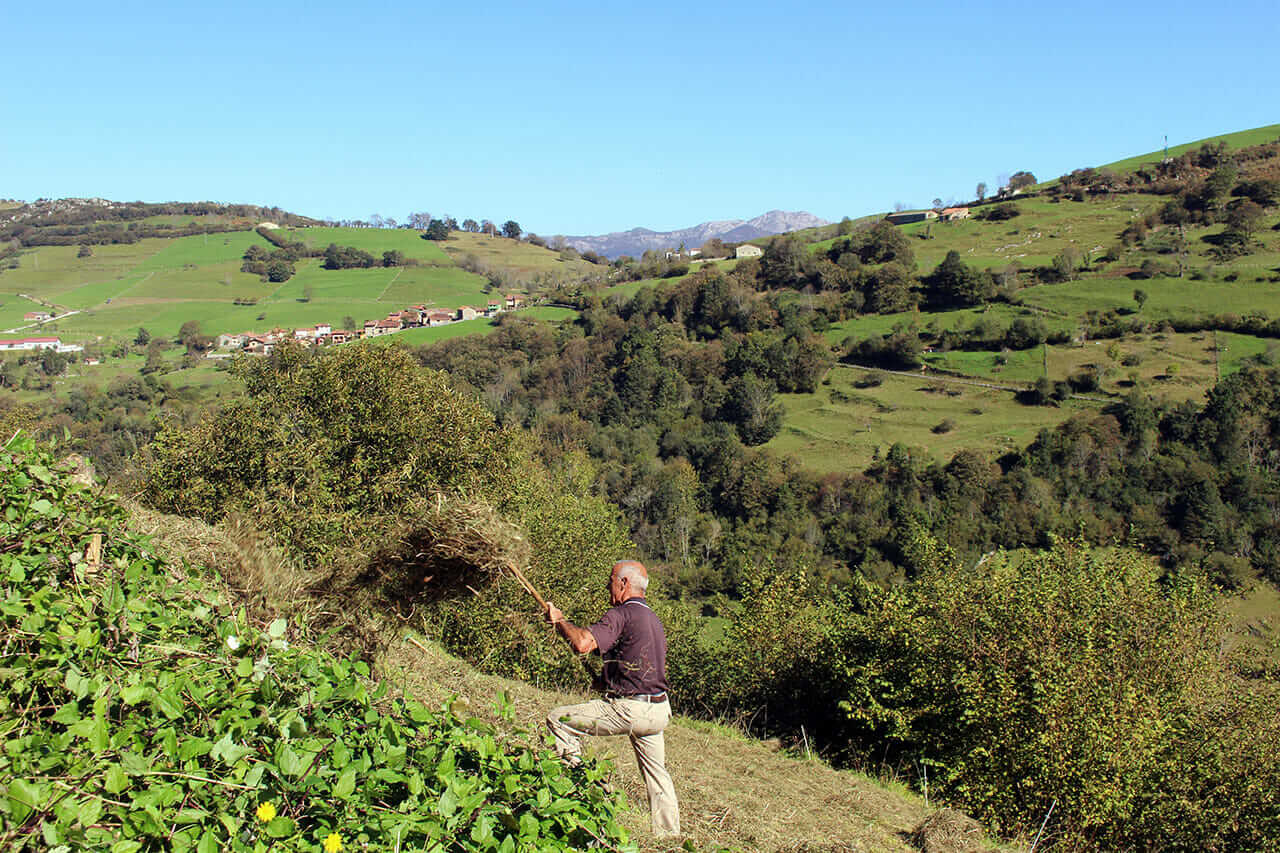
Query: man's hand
[[553, 614], [580, 640]]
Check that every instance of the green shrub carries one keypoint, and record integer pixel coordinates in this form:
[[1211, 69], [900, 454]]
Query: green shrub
[[329, 450], [1075, 676]]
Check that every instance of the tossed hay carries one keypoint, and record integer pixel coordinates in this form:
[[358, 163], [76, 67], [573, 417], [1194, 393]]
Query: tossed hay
[[948, 831], [455, 548]]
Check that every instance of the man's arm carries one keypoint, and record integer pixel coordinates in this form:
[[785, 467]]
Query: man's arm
[[580, 640]]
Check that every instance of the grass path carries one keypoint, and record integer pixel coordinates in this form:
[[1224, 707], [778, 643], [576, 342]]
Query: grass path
[[388, 287]]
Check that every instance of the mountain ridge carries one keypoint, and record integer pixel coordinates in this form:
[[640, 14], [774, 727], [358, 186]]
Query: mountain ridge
[[637, 241]]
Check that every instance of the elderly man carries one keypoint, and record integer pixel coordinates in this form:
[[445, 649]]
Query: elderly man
[[633, 646]]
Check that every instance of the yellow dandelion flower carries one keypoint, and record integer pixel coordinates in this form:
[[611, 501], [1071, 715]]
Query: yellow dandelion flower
[[266, 811], [333, 843]]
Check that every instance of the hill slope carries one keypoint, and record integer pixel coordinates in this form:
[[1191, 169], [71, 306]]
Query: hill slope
[[735, 792]]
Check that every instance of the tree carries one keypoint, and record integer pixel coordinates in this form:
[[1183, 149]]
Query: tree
[[86, 251], [937, 204], [954, 284], [279, 270], [511, 229], [1140, 297], [189, 333], [982, 190], [1068, 263], [393, 258], [1019, 180], [142, 338], [437, 231], [1245, 217], [470, 226], [349, 323], [420, 220]]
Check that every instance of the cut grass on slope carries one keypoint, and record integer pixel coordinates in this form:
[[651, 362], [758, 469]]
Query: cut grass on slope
[[375, 241]]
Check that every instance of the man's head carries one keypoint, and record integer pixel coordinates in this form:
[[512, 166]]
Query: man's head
[[629, 579]]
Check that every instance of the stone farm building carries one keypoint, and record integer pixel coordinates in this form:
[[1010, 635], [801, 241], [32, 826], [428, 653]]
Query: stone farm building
[[747, 250], [908, 216]]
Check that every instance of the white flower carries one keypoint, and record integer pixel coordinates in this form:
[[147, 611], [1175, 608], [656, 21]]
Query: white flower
[[233, 642]]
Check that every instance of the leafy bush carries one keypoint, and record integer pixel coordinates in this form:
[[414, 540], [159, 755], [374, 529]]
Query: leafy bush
[[1075, 676], [142, 712], [329, 450]]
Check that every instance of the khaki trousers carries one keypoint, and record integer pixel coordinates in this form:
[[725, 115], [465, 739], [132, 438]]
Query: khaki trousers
[[643, 722]]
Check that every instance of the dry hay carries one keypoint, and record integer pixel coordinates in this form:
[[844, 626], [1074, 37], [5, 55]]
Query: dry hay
[[452, 549], [948, 831]]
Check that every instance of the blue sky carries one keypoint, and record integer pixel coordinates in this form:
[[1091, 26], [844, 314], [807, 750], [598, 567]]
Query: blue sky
[[578, 119]]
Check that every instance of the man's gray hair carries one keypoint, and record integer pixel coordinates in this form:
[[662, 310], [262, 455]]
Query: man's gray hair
[[632, 571]]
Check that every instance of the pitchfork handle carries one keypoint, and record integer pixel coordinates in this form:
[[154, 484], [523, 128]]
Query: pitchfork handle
[[524, 582]]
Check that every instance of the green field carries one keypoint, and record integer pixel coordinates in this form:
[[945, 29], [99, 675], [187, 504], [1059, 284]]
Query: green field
[[1241, 139], [162, 283], [372, 240], [841, 426]]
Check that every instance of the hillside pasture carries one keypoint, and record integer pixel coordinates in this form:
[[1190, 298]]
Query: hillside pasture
[[1167, 298], [47, 271], [1234, 141], [202, 250], [1171, 366], [842, 425], [375, 241], [523, 260]]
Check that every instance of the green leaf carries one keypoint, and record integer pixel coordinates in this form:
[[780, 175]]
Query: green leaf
[[135, 693], [127, 846], [280, 827], [277, 628], [24, 798], [41, 506], [244, 668], [346, 784], [116, 780], [113, 599], [448, 803], [89, 812], [67, 714], [289, 762]]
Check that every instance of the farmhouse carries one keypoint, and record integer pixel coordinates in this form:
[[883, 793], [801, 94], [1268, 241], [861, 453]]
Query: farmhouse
[[37, 316], [514, 302], [439, 318], [747, 250], [492, 308], [951, 214], [233, 341], [466, 312]]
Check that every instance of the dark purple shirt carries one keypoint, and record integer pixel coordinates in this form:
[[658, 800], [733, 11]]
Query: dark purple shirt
[[633, 647]]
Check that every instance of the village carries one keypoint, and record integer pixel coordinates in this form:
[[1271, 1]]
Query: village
[[323, 334]]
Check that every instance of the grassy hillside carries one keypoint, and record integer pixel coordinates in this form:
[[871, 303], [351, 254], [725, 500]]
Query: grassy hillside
[[1234, 141], [162, 283], [1023, 250]]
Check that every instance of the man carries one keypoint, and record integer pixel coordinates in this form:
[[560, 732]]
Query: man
[[633, 646]]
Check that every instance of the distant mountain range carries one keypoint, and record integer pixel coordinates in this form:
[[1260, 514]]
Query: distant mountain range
[[636, 241]]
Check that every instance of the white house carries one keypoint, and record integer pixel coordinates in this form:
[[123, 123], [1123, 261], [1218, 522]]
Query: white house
[[747, 250]]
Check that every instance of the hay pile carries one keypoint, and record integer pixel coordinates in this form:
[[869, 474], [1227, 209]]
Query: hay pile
[[453, 548], [949, 831]]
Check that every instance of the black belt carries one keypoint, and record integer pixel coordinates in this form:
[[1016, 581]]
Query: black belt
[[639, 697]]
